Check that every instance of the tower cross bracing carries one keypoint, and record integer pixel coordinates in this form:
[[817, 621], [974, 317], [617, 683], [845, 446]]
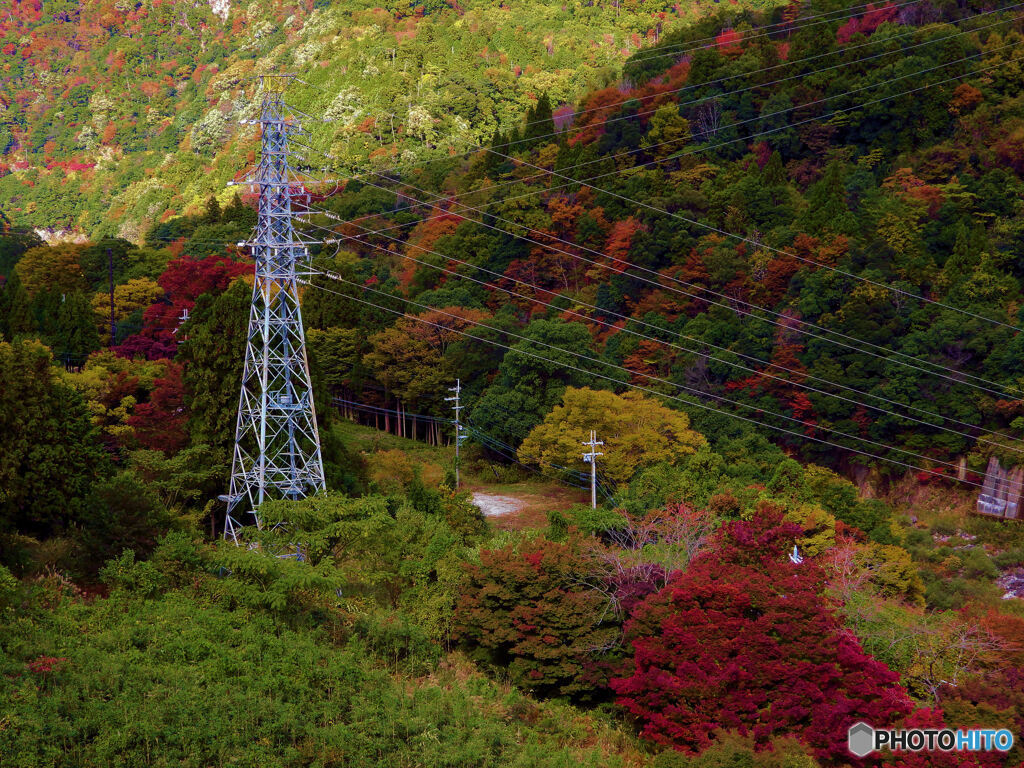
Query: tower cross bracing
[[277, 446]]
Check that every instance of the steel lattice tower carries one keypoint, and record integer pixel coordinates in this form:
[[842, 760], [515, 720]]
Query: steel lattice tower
[[277, 446]]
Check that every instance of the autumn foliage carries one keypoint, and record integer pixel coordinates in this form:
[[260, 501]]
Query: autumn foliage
[[526, 610], [744, 640]]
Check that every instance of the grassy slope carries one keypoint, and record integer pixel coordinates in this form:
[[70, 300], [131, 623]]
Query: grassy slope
[[180, 681], [539, 495]]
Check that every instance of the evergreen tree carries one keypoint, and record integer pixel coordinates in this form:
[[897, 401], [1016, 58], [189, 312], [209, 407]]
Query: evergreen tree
[[827, 209], [51, 456], [212, 215], [45, 306], [13, 245], [960, 262], [237, 212], [532, 378], [773, 174], [213, 354], [75, 333], [539, 121], [15, 308], [96, 262]]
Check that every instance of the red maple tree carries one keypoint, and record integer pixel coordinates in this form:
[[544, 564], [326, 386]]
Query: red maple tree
[[744, 640]]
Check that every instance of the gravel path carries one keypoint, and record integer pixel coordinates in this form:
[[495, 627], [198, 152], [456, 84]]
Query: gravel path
[[497, 506]]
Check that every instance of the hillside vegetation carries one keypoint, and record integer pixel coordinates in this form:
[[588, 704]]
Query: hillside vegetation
[[116, 114], [773, 263]]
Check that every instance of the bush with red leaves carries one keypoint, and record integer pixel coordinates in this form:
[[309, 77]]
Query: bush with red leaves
[[933, 718], [45, 665], [744, 640]]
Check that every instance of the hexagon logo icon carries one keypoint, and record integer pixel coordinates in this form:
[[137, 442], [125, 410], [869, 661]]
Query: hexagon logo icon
[[860, 739]]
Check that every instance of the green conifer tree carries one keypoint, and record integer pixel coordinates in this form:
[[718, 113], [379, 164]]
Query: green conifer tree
[[773, 174], [75, 334], [15, 309], [52, 455], [539, 121], [213, 353], [212, 215]]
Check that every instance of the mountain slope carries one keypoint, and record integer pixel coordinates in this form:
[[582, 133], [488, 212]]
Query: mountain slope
[[117, 113]]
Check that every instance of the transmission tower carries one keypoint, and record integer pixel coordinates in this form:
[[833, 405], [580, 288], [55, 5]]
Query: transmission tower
[[277, 446]]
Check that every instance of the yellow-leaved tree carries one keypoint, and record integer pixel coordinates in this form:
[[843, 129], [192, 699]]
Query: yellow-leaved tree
[[637, 431], [138, 293]]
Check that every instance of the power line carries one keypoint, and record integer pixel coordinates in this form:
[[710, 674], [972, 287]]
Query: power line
[[788, 321], [749, 74], [657, 379], [909, 294], [627, 265], [647, 376], [653, 392], [706, 344], [749, 241]]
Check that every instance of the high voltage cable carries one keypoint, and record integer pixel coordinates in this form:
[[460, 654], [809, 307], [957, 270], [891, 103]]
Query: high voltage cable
[[673, 157], [706, 355], [911, 31], [916, 367], [750, 241], [571, 181], [653, 392], [657, 379], [690, 338], [627, 265]]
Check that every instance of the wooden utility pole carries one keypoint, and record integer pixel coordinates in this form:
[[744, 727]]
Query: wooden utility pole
[[457, 407], [591, 458]]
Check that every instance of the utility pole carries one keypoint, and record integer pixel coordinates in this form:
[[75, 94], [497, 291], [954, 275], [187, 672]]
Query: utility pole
[[110, 280], [277, 445], [457, 389], [591, 458], [182, 319]]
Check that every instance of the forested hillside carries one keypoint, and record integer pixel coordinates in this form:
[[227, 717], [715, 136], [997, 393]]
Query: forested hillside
[[771, 257], [116, 114]]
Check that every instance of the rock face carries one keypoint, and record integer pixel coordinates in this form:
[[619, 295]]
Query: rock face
[[220, 8], [57, 236], [1012, 582]]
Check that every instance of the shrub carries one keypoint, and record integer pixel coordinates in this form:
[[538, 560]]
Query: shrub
[[744, 639], [396, 639], [123, 573], [528, 611]]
